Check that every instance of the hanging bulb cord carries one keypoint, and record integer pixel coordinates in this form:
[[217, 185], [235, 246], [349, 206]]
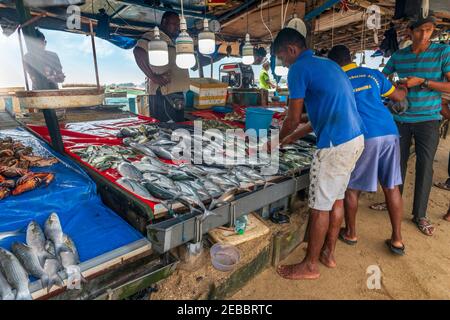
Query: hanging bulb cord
[[182, 9], [285, 13], [262, 19]]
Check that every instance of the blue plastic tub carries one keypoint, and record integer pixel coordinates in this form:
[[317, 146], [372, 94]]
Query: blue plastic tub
[[258, 119]]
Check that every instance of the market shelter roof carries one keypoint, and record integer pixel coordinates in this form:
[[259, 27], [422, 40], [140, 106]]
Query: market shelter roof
[[331, 21]]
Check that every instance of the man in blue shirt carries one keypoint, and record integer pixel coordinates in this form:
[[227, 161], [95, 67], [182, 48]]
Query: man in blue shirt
[[320, 85], [424, 66], [380, 160]]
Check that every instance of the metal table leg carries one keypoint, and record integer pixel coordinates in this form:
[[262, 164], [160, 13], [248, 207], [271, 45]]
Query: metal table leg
[[53, 128]]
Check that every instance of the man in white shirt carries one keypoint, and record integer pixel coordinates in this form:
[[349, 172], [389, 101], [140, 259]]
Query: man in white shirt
[[167, 84]]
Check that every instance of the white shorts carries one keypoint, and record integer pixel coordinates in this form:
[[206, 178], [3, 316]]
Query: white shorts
[[330, 173]]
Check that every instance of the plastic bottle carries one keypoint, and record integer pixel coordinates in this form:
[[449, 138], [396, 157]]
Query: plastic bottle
[[241, 224]]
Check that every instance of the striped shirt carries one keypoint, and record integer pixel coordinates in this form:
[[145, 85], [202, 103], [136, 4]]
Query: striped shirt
[[432, 64]]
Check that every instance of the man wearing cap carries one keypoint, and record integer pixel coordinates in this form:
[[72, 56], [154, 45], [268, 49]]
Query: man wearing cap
[[422, 67], [167, 84]]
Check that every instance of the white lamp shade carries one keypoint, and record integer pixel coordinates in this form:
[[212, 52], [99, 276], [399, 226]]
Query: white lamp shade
[[185, 60], [206, 40], [206, 46], [281, 71], [158, 53], [248, 59], [247, 51]]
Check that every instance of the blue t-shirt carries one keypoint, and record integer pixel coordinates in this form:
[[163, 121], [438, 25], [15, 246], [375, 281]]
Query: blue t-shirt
[[329, 99], [369, 86]]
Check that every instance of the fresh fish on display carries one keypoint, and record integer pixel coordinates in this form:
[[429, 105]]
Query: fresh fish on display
[[10, 184], [53, 231], [36, 240], [15, 274], [142, 148], [70, 258], [5, 288], [32, 181], [161, 180], [129, 171], [144, 167], [135, 187], [52, 268], [8, 234], [163, 153], [30, 261], [4, 192]]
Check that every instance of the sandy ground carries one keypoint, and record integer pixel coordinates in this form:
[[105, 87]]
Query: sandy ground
[[423, 273]]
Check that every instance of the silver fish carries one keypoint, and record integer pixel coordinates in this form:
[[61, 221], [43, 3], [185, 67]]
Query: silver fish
[[36, 240], [129, 171], [8, 234], [143, 149], [52, 268], [15, 274], [53, 231], [148, 167], [134, 186], [71, 245], [223, 199], [163, 152], [5, 288], [161, 179], [30, 261]]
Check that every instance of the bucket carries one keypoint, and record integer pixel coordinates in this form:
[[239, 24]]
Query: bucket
[[258, 119]]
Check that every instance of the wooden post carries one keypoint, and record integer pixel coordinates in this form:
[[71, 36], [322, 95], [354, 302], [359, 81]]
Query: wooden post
[[95, 53], [19, 33]]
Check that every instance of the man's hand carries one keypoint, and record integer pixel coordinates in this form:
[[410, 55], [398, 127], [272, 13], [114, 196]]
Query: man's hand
[[289, 140], [413, 81], [161, 79]]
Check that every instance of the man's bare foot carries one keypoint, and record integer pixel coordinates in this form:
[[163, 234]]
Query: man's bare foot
[[327, 259], [299, 271]]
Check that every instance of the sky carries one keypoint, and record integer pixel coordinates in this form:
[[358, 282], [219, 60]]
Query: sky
[[115, 65]]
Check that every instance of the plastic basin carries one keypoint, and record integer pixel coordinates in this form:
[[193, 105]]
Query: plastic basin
[[258, 119], [224, 257]]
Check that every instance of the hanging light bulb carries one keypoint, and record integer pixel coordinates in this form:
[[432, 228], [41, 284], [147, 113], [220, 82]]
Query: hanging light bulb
[[158, 53], [206, 40], [184, 46], [247, 51], [280, 70]]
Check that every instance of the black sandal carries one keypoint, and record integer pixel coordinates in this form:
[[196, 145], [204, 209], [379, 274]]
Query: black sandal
[[395, 250], [344, 239]]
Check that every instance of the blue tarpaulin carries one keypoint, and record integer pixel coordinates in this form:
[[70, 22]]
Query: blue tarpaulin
[[94, 228]]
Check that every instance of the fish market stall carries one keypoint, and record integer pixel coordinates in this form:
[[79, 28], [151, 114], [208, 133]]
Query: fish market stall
[[52, 223], [140, 178]]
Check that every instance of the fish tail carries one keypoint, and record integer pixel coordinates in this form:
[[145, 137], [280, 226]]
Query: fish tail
[[24, 295], [45, 280], [55, 280], [10, 296]]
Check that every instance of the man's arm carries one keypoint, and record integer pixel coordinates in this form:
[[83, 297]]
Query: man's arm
[[301, 131], [433, 85], [399, 94], [293, 118]]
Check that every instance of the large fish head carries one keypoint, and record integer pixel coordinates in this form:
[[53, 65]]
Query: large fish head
[[35, 235]]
